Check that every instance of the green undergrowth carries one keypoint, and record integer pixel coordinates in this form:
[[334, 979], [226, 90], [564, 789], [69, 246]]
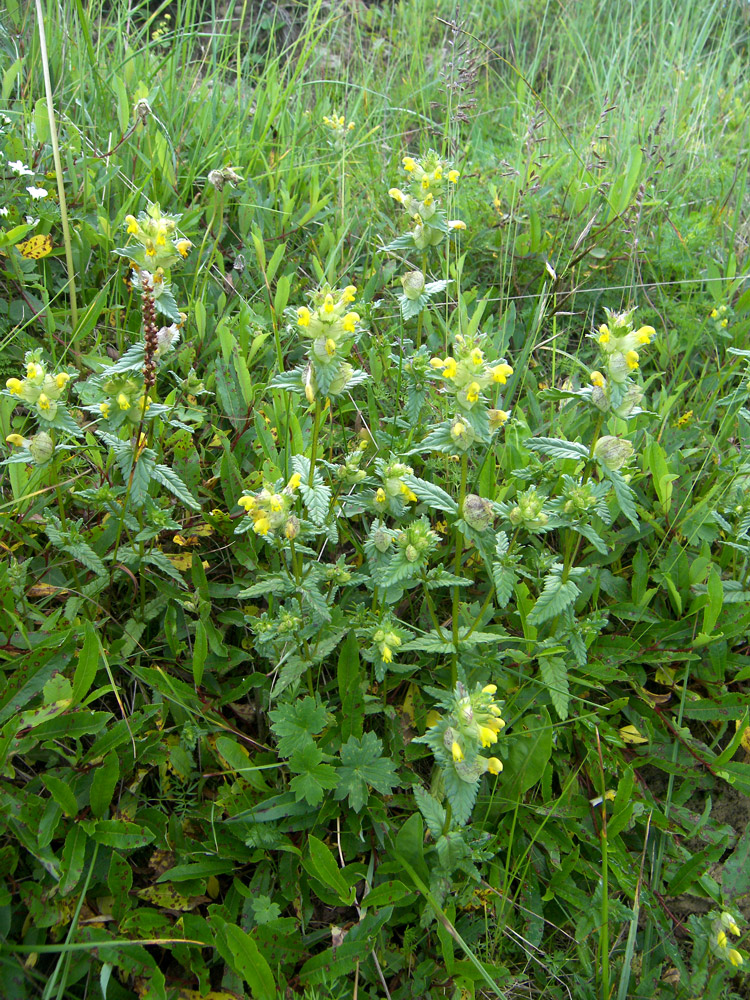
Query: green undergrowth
[[374, 499]]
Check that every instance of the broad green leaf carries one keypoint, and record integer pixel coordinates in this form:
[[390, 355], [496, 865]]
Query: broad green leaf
[[62, 793], [350, 689], [104, 783], [555, 676], [121, 835], [322, 865], [87, 665], [249, 963]]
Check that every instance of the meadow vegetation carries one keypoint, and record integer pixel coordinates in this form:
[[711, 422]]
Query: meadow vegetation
[[374, 500]]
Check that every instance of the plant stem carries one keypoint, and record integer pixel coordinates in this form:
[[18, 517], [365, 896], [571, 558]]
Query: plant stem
[[459, 543], [314, 446]]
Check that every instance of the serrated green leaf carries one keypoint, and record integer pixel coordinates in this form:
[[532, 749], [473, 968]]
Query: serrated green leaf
[[555, 597], [433, 812], [313, 777], [431, 494], [558, 448], [296, 724], [363, 765], [168, 477]]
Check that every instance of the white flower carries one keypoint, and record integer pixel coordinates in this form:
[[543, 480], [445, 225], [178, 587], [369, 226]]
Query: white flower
[[18, 168], [3, 211], [31, 221], [37, 193]]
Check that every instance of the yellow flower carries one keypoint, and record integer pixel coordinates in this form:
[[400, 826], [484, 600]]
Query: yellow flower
[[487, 736], [453, 176], [438, 173], [328, 305], [104, 409], [472, 393], [714, 314], [34, 371], [409, 164], [262, 526], [632, 360], [161, 240], [597, 379], [489, 689], [14, 386], [646, 334], [349, 294], [498, 418], [303, 316], [429, 199], [380, 496], [397, 195], [501, 372], [330, 347], [449, 368], [132, 222], [495, 724], [456, 224], [150, 249], [294, 482], [62, 380], [123, 402], [425, 183], [458, 429], [387, 654], [721, 939], [604, 334], [477, 356], [43, 402], [735, 958], [15, 439], [458, 754], [276, 503], [495, 709], [248, 502], [182, 247], [350, 321], [494, 766], [408, 494], [434, 363], [724, 322]]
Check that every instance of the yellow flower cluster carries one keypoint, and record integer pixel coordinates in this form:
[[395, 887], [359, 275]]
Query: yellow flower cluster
[[39, 389], [269, 510], [726, 923], [468, 374], [620, 345], [156, 242], [474, 723], [329, 323], [427, 177]]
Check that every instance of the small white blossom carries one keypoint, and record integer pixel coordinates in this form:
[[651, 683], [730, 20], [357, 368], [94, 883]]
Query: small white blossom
[[3, 211], [37, 193], [19, 168]]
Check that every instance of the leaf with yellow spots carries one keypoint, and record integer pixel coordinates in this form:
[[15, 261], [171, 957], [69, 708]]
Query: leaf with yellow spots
[[36, 247], [745, 738], [629, 734], [182, 561], [166, 897]]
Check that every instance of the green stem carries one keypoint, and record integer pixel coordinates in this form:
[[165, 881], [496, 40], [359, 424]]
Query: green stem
[[314, 446], [459, 543]]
